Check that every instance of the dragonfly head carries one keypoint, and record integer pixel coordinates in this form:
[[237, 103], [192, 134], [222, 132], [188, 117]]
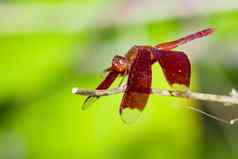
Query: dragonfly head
[[119, 63]]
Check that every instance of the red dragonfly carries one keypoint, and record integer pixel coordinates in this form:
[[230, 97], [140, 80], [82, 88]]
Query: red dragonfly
[[137, 62]]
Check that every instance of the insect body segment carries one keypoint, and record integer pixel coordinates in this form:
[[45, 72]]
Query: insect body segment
[[173, 44]]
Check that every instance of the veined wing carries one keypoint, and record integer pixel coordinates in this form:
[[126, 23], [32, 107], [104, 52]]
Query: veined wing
[[176, 68], [138, 87], [105, 84]]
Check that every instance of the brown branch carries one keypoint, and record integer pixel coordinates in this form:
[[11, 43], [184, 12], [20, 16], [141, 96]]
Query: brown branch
[[226, 100]]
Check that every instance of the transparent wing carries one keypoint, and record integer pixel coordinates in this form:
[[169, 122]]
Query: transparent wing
[[89, 101]]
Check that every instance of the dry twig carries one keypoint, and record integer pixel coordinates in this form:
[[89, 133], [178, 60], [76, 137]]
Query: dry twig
[[226, 100]]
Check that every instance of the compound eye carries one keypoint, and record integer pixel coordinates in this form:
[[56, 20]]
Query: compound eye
[[119, 63]]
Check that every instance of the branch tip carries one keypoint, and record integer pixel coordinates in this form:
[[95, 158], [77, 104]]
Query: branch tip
[[75, 90], [234, 93]]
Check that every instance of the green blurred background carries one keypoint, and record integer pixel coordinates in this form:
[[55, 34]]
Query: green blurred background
[[48, 47]]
